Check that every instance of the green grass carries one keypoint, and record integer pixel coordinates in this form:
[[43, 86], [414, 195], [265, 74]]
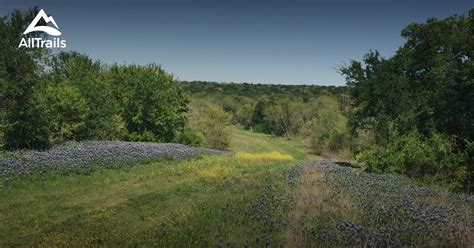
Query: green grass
[[246, 141], [194, 202], [206, 201]]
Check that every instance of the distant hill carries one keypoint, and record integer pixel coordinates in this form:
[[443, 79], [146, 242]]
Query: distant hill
[[255, 90]]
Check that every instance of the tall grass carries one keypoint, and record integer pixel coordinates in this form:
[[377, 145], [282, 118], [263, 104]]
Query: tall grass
[[274, 155]]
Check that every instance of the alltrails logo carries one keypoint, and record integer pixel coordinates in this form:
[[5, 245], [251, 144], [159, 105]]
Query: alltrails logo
[[40, 42]]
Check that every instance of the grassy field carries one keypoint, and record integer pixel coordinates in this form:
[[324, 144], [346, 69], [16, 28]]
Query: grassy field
[[245, 141], [204, 201], [268, 191]]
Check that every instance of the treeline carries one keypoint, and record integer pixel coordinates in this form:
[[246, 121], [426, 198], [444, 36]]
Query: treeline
[[48, 99], [305, 92], [316, 114], [418, 104], [80, 99]]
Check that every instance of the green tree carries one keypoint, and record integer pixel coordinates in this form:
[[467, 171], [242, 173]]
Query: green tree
[[257, 119], [423, 92], [93, 81], [427, 85], [153, 104], [212, 122], [23, 120], [286, 114], [66, 111], [326, 128]]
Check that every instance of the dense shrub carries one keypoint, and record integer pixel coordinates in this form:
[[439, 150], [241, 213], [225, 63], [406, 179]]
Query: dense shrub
[[325, 128], [469, 185], [152, 103], [212, 122], [433, 158], [337, 141], [190, 137]]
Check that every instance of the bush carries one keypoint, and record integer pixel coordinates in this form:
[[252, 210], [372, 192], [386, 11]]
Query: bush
[[337, 141], [190, 137], [470, 167], [326, 129], [434, 158], [152, 103], [212, 122]]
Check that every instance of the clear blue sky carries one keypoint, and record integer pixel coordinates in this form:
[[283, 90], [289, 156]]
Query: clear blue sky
[[291, 42]]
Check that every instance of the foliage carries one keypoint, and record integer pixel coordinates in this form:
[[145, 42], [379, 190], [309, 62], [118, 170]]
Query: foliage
[[190, 137], [274, 109], [77, 98], [212, 122], [304, 92], [23, 122], [66, 110], [291, 111], [427, 84], [51, 98], [433, 158], [285, 115], [103, 118], [131, 102], [426, 87], [325, 128], [153, 105]]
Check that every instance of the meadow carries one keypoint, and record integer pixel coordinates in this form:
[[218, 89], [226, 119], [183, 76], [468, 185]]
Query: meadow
[[97, 154], [167, 202], [269, 191]]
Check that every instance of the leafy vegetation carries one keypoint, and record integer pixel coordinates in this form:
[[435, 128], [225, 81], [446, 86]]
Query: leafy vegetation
[[433, 158], [425, 88], [211, 122], [51, 98], [255, 90], [23, 124], [314, 114]]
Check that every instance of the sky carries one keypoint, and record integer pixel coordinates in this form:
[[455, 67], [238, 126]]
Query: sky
[[254, 41]]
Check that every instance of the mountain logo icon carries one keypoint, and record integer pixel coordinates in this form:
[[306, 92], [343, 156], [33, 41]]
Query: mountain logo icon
[[50, 30]]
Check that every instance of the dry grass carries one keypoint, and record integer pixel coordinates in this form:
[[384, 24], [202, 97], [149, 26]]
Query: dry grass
[[274, 155], [314, 201]]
